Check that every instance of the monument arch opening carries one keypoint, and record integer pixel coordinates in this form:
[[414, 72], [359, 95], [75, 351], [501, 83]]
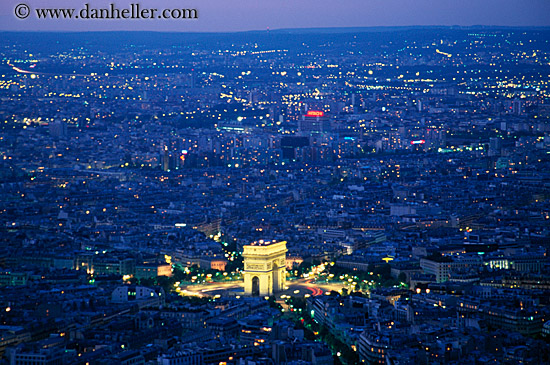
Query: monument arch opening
[[255, 286]]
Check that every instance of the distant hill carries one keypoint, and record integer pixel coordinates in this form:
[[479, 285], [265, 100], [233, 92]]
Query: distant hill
[[284, 38]]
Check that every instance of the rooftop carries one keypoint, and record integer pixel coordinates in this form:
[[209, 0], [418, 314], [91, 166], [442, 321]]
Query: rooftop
[[264, 242]]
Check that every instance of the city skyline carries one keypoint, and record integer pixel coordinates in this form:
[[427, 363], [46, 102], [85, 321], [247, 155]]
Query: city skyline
[[340, 195]]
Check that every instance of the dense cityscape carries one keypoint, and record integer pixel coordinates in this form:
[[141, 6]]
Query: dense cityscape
[[407, 170]]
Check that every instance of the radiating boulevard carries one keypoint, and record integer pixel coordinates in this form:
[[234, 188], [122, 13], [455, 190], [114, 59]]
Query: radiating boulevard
[[296, 288]]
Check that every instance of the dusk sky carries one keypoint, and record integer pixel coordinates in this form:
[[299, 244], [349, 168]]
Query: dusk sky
[[239, 15]]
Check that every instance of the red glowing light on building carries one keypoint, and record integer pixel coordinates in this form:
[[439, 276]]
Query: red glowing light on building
[[315, 113], [421, 141]]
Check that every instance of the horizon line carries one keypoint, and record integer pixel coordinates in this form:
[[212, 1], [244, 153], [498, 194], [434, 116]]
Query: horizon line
[[304, 29]]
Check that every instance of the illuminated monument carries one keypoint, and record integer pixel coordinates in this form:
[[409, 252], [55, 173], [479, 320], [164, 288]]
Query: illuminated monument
[[264, 267]]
